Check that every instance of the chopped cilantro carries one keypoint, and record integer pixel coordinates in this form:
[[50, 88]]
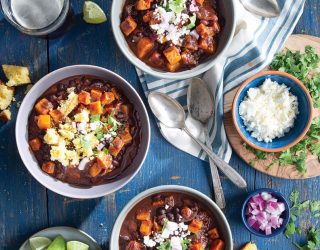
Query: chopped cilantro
[[165, 246], [314, 206], [177, 6], [184, 244], [95, 118], [99, 133], [260, 154], [164, 225], [192, 23], [85, 143], [105, 150], [113, 122]]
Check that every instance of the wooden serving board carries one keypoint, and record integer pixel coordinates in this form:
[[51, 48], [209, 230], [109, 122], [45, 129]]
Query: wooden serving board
[[294, 42]]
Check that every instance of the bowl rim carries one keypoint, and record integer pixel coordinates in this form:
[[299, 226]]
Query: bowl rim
[[182, 75], [234, 110], [26, 163], [285, 221], [114, 238]]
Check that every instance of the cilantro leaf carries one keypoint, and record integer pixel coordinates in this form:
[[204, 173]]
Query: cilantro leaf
[[95, 118], [177, 6], [290, 229], [113, 122], [314, 206], [294, 196], [184, 244], [105, 150], [99, 133], [165, 246], [192, 23], [84, 142], [261, 155]]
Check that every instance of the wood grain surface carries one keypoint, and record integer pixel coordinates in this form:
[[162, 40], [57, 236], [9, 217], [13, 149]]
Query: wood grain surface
[[298, 43], [26, 207]]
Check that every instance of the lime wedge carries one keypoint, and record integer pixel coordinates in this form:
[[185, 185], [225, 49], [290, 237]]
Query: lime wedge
[[39, 243], [76, 245], [92, 13], [58, 244]]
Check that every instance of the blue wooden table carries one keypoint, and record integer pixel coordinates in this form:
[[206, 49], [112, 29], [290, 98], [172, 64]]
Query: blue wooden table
[[27, 207]]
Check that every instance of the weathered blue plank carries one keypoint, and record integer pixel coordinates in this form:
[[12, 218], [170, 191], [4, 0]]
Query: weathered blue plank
[[23, 202]]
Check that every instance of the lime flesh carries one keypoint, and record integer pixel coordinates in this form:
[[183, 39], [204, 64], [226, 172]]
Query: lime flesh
[[58, 244], [39, 243], [92, 13], [76, 245]]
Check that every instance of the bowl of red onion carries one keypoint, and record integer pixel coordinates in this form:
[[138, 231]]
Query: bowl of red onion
[[265, 213]]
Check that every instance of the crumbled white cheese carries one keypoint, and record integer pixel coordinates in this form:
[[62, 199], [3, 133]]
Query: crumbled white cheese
[[269, 111], [176, 243], [51, 137], [149, 242]]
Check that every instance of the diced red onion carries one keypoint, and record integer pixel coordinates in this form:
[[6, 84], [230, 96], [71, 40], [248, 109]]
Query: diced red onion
[[264, 211]]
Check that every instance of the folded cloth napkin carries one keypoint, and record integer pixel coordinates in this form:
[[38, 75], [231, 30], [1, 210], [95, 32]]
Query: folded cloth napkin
[[255, 42]]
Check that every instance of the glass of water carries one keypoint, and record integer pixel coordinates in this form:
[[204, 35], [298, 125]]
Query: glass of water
[[36, 17]]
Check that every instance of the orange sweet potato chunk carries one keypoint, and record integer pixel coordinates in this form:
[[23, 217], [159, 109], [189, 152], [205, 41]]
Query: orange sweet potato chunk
[[195, 226], [199, 2], [144, 46], [204, 31], [56, 115], [128, 25], [94, 170], [214, 233], [35, 144], [48, 167], [217, 245], [107, 98], [84, 97], [173, 68], [143, 215], [172, 54], [96, 108], [126, 136], [146, 227], [143, 4], [104, 160], [209, 45], [95, 94], [43, 106], [44, 121], [115, 148]]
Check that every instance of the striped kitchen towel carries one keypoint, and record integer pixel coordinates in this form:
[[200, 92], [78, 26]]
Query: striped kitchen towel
[[253, 47]]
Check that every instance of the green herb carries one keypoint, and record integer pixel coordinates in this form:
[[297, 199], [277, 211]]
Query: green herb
[[177, 6], [165, 246], [113, 122], [192, 23], [165, 222], [314, 206], [105, 150], [95, 118], [85, 143], [260, 154], [313, 240], [184, 244], [99, 133]]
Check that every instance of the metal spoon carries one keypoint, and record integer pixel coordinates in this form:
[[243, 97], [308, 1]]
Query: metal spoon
[[171, 114], [201, 108], [265, 8]]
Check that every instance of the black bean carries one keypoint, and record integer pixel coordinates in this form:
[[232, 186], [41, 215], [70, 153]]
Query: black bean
[[170, 216], [176, 210], [178, 218], [160, 211]]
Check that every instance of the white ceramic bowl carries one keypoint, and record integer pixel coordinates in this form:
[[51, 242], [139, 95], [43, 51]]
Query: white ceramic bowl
[[31, 163], [211, 206], [227, 11]]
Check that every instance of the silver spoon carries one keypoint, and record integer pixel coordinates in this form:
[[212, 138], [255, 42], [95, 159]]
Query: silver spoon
[[265, 8], [201, 107], [171, 114]]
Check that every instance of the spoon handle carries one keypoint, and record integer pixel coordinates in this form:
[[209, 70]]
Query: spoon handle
[[229, 171], [217, 187]]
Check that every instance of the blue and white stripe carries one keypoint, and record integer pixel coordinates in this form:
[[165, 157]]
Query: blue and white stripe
[[247, 59]]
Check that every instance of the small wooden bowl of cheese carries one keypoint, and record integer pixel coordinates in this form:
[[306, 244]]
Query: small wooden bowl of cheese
[[272, 111]]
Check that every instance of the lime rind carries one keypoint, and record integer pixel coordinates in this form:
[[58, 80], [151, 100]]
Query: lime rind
[[39, 243], [76, 245], [92, 13]]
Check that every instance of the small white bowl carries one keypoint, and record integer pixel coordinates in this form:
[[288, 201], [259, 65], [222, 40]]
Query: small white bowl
[[226, 10], [220, 219], [30, 161]]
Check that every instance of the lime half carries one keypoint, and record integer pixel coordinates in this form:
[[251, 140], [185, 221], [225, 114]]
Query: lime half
[[92, 13], [57, 244], [39, 243], [76, 245]]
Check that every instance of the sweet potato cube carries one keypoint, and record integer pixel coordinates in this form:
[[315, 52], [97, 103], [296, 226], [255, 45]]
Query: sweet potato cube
[[56, 115], [95, 94], [195, 246], [43, 106], [209, 45], [96, 108], [146, 227], [144, 46], [195, 226], [214, 233], [156, 59], [126, 136], [104, 160], [147, 17], [249, 246], [134, 245], [94, 170], [204, 31], [190, 43], [48, 167], [125, 109], [173, 68], [217, 245], [128, 25], [115, 148], [107, 98], [143, 4], [199, 2], [44, 121], [158, 203], [143, 215], [84, 97], [172, 54], [35, 144]]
